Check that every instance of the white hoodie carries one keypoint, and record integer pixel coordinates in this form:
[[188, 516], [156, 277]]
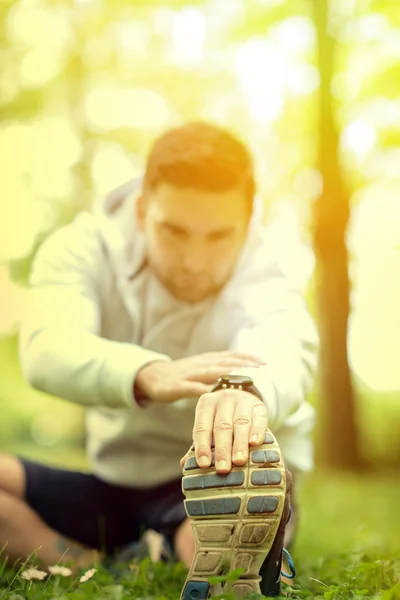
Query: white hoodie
[[98, 315]]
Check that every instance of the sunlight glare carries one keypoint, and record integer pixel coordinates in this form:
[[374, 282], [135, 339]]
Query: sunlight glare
[[367, 28], [374, 329], [132, 37], [113, 108], [295, 35], [307, 184], [261, 71], [30, 188], [189, 30], [37, 26], [269, 2], [296, 258], [39, 66], [359, 138]]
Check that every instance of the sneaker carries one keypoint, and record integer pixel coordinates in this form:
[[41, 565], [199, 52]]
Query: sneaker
[[239, 522], [271, 569]]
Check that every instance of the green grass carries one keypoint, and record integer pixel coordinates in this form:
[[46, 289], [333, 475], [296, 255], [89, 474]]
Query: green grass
[[348, 547]]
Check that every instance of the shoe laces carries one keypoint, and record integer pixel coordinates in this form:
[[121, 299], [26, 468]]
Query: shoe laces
[[290, 562]]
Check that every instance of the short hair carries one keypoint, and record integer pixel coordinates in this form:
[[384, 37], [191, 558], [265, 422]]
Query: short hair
[[202, 156]]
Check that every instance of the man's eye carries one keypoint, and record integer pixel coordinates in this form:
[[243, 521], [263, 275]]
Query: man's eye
[[221, 235], [174, 231]]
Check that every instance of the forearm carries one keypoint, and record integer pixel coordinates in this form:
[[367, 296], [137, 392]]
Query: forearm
[[82, 367]]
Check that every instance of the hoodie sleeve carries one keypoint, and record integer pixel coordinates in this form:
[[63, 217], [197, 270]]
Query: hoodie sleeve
[[61, 351], [280, 331]]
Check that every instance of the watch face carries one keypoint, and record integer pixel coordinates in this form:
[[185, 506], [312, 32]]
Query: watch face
[[236, 380]]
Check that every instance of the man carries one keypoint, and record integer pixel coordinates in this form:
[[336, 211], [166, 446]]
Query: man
[[137, 310]]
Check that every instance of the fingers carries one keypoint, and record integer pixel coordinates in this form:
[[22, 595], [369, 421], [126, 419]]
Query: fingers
[[259, 424], [203, 429], [223, 432], [242, 422], [237, 419]]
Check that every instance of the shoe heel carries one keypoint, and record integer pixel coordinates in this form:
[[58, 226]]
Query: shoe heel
[[235, 518]]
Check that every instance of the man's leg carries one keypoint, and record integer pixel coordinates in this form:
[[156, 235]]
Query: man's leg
[[184, 543], [24, 531]]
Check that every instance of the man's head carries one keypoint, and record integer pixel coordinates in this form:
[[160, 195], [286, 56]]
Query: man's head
[[195, 208]]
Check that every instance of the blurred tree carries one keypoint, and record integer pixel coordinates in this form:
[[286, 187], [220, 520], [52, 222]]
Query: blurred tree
[[339, 434]]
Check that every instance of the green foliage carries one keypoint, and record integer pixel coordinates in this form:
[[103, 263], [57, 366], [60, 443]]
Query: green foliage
[[259, 20], [366, 580], [347, 549], [232, 576]]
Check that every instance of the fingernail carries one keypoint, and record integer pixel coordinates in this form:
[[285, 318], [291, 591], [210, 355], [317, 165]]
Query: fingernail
[[222, 465], [203, 461], [254, 438], [239, 456]]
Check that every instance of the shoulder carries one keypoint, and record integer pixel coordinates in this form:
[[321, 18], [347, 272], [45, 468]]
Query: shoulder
[[276, 253], [261, 262], [263, 282], [77, 246]]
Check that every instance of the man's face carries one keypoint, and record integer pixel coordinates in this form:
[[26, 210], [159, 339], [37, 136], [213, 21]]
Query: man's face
[[194, 238]]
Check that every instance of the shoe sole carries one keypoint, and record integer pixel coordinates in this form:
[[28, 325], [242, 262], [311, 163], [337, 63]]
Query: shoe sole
[[234, 518]]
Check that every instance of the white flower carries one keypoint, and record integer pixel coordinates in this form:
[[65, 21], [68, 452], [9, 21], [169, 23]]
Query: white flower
[[88, 575], [58, 570], [33, 573]]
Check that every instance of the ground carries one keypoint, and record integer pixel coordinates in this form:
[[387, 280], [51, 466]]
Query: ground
[[348, 547]]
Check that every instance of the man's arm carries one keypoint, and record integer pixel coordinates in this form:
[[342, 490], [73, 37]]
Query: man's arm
[[61, 350], [282, 333]]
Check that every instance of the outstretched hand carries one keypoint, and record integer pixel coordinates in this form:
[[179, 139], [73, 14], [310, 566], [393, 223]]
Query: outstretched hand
[[236, 420], [167, 381]]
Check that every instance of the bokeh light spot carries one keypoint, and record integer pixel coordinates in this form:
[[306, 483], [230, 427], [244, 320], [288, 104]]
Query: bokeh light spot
[[113, 108]]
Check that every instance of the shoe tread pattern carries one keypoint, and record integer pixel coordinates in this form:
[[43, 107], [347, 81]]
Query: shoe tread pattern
[[234, 517]]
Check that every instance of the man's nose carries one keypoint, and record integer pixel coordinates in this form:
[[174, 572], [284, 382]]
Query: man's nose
[[195, 257]]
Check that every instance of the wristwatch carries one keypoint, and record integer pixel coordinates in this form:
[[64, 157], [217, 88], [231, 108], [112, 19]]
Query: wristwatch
[[237, 382]]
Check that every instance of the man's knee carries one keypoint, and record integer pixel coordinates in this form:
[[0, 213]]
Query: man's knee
[[8, 511], [12, 476]]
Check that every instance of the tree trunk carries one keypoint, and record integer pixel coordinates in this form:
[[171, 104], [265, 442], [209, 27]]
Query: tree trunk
[[339, 436]]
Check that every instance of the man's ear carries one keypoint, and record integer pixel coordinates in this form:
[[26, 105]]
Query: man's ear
[[140, 211]]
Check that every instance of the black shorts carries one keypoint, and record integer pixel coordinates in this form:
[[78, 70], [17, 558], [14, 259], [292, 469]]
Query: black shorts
[[97, 514]]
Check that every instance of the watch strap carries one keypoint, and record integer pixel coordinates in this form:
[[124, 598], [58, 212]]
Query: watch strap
[[237, 382]]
